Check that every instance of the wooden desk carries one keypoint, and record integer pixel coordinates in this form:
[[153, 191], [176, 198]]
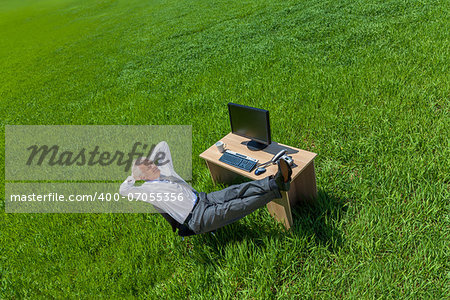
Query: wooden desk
[[303, 184]]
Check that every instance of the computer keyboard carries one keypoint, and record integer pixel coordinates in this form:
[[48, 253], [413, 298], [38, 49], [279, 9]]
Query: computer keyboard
[[237, 160]]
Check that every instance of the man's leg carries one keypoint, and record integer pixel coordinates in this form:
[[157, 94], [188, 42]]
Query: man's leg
[[221, 208], [233, 203], [242, 190]]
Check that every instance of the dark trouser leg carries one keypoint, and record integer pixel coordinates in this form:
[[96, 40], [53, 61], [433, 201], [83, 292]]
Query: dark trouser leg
[[233, 203], [243, 190]]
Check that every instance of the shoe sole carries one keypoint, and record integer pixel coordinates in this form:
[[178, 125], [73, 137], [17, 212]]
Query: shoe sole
[[284, 167]]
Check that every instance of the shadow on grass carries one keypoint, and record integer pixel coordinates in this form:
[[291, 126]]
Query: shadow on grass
[[320, 219], [317, 221]]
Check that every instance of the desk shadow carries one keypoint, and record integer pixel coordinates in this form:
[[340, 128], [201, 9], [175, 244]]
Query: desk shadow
[[208, 248], [274, 148], [318, 221]]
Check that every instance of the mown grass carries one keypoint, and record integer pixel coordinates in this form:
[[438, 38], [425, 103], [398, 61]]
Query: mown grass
[[365, 84]]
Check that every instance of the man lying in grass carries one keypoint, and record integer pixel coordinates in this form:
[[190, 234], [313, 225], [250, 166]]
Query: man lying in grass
[[195, 212]]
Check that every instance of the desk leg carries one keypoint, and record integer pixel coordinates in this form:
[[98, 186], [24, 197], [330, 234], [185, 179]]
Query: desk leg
[[280, 209], [303, 187], [219, 174]]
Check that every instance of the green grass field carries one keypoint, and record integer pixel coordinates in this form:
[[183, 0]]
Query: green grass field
[[365, 84]]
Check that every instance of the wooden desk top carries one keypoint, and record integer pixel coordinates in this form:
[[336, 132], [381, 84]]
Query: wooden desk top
[[302, 158]]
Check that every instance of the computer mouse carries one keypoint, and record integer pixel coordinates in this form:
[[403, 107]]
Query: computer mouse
[[260, 170]]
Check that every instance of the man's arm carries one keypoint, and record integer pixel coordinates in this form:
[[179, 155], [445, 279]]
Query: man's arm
[[128, 186], [146, 192], [166, 169], [163, 147], [137, 192]]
